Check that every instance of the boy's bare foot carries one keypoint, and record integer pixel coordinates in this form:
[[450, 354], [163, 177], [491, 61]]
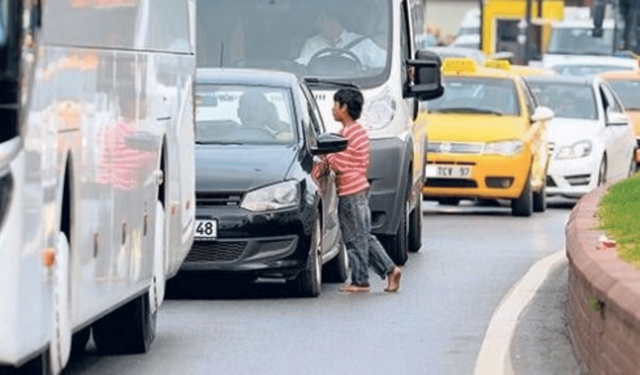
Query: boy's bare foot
[[350, 288], [393, 283]]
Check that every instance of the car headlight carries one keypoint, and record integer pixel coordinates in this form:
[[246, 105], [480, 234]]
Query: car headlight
[[578, 150], [379, 111], [275, 197], [504, 148]]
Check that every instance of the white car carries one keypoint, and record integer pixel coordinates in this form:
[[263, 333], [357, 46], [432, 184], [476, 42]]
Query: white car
[[588, 66], [590, 137]]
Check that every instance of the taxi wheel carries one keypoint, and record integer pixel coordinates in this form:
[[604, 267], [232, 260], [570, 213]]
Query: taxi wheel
[[523, 206], [448, 201], [540, 199]]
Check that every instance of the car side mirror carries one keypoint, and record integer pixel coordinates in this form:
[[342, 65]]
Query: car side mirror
[[616, 118], [329, 143], [542, 114], [425, 82]]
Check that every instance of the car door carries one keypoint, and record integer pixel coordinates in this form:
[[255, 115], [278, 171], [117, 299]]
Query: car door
[[618, 132], [327, 178]]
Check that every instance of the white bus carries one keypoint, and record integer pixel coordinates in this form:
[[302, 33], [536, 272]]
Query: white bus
[[96, 173]]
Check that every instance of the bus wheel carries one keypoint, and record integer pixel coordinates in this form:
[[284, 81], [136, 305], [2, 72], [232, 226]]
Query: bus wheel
[[60, 342], [128, 330]]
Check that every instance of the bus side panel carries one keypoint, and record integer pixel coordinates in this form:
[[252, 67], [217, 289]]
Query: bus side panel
[[176, 85], [24, 324]]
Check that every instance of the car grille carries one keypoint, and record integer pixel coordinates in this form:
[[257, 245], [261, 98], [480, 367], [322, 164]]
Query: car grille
[[451, 183], [455, 148], [219, 199], [551, 182], [216, 251]]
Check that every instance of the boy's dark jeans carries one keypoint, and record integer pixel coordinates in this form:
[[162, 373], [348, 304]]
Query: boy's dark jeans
[[362, 246]]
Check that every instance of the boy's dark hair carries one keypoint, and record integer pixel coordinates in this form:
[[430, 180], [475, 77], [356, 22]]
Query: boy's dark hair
[[352, 98]]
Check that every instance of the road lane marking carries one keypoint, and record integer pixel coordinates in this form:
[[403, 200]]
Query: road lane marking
[[494, 357]]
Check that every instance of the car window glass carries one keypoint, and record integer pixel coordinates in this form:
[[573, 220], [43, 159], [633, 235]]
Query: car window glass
[[482, 95], [628, 92], [314, 114], [566, 100], [244, 114], [615, 103], [528, 97]]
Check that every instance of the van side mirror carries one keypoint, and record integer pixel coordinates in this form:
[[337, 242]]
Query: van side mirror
[[426, 79]]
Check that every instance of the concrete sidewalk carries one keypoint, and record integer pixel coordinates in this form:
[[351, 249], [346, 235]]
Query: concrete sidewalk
[[541, 344]]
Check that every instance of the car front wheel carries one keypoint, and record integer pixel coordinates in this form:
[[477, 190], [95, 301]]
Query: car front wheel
[[308, 283]]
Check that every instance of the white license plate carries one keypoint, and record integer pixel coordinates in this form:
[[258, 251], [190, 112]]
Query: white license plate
[[449, 171], [206, 230]]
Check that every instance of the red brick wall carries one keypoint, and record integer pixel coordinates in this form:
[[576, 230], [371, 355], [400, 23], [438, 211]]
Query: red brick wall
[[604, 297]]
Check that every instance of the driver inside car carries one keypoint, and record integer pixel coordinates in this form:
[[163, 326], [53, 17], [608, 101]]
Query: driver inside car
[[335, 39], [255, 111]]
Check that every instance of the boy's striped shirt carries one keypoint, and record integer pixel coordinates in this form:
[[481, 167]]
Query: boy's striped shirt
[[352, 165]]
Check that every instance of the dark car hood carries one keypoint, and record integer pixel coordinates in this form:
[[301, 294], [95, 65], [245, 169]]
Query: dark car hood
[[236, 168]]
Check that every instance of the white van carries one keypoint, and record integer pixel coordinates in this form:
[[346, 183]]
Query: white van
[[374, 50]]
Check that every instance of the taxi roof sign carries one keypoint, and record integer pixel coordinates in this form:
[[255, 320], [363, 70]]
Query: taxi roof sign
[[498, 64], [459, 64]]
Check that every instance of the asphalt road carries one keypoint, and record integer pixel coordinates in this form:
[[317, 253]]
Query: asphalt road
[[472, 255]]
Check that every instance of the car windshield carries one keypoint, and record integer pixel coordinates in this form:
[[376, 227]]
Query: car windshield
[[579, 41], [589, 70], [229, 114], [331, 39], [628, 92], [495, 96], [565, 99]]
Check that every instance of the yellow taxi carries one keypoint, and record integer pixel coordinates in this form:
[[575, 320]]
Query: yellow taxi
[[521, 70], [626, 84], [487, 139]]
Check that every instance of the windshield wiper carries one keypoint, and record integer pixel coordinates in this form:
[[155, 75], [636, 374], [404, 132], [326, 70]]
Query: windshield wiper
[[224, 143], [313, 81], [467, 110]]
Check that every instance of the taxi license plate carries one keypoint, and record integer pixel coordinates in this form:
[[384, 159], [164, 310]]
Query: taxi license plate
[[449, 171], [206, 230]]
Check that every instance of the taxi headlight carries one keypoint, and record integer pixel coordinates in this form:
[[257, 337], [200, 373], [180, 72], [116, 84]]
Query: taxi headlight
[[379, 112], [504, 148], [275, 197], [578, 150]]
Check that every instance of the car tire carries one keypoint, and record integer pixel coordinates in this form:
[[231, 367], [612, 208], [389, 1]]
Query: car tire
[[337, 269], [540, 198], [128, 330], [448, 201], [415, 231], [602, 171], [309, 281], [523, 205], [397, 245]]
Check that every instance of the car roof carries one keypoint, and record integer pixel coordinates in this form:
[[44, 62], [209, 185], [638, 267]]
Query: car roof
[[243, 76], [570, 80]]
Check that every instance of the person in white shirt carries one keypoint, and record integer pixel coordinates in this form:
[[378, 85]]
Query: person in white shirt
[[334, 36]]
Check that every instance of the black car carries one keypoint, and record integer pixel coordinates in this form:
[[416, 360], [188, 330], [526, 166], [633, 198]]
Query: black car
[[264, 208]]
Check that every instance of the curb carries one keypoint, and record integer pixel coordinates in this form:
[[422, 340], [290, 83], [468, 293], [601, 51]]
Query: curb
[[604, 296]]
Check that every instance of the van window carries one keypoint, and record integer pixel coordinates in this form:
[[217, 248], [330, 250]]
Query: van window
[[579, 41], [344, 40], [4, 5]]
